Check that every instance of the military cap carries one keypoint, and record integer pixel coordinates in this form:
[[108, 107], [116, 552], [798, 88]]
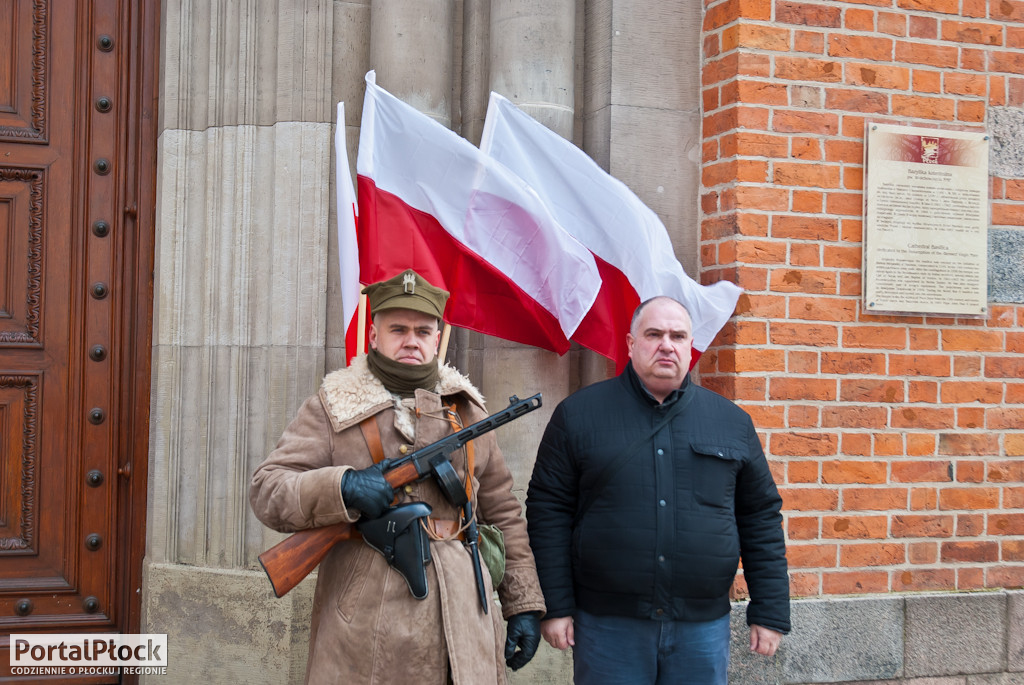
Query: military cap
[[407, 290]]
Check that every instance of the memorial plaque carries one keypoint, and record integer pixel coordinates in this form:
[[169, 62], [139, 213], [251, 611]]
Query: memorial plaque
[[926, 214]]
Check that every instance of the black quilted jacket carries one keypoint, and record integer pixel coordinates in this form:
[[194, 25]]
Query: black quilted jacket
[[663, 538]]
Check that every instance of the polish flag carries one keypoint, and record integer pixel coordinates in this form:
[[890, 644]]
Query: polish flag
[[630, 243], [431, 201], [348, 247]]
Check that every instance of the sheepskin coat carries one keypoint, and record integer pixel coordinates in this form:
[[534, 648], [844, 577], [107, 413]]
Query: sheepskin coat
[[366, 626]]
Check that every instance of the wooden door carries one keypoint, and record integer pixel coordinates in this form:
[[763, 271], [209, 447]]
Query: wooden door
[[77, 151]]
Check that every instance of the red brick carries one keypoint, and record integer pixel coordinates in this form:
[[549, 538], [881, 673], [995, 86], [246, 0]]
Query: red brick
[[801, 121], [850, 100], [837, 472], [964, 84], [1009, 62], [855, 444], [970, 578], [803, 281], [807, 69], [971, 111], [794, 333], [875, 337], [970, 525], [807, 175], [809, 41], [842, 257], [1007, 10], [811, 556], [874, 499], [822, 308], [761, 251], [978, 552], [920, 445], [1008, 471], [802, 472], [804, 254], [968, 498], [870, 390], [1013, 550], [922, 526], [924, 27], [808, 14], [970, 417], [872, 554], [965, 392], [752, 144], [791, 388], [849, 204], [972, 32], [887, 77], [845, 363], [924, 499], [749, 360], [808, 499], [855, 582], [919, 365], [923, 391], [923, 418], [922, 471], [762, 199], [1006, 524], [803, 416], [923, 107], [887, 444], [892, 23], [940, 6], [802, 362], [803, 444], [1004, 367], [803, 528], [924, 580], [966, 366], [804, 228], [924, 339], [859, 20], [848, 151], [808, 201], [804, 584], [968, 340], [970, 471], [806, 149], [922, 552], [927, 81], [755, 36], [841, 416], [916, 52], [860, 47], [854, 527], [754, 92], [1005, 576], [974, 60], [968, 443]]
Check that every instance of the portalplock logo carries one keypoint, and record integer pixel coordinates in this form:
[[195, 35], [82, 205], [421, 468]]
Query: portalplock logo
[[88, 653]]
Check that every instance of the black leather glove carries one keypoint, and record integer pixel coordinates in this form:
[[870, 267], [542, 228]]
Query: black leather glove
[[367, 491], [524, 633]]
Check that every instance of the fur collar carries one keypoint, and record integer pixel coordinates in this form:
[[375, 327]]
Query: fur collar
[[353, 393]]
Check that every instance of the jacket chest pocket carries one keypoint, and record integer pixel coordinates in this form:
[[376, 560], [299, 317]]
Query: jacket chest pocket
[[715, 469]]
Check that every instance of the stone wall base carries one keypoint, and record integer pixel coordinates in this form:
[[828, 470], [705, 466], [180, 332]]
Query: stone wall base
[[227, 626]]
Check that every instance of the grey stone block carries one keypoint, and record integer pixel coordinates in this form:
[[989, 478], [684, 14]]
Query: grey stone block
[[1006, 155], [956, 634], [838, 640], [744, 666], [1005, 265], [1015, 641]]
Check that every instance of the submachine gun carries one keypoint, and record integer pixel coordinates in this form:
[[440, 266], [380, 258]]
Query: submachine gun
[[292, 559]]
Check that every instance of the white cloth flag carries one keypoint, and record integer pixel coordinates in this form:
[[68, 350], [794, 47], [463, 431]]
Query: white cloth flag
[[608, 218]]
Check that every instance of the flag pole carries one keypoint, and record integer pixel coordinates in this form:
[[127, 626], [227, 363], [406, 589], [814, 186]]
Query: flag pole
[[361, 325], [442, 350]]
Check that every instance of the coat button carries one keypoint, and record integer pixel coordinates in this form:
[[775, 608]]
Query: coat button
[[404, 449], [408, 489], [660, 451]]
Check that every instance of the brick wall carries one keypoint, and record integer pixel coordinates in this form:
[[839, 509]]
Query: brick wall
[[897, 442]]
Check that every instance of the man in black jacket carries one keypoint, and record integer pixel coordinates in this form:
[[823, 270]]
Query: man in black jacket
[[646, 493]]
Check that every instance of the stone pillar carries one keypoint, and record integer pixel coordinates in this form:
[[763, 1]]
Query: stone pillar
[[243, 198]]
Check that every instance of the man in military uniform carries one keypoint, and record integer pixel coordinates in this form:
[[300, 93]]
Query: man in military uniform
[[366, 625]]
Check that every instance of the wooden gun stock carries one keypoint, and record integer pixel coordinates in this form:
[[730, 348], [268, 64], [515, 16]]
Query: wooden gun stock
[[295, 557]]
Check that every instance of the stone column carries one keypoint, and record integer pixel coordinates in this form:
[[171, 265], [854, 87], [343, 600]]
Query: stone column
[[239, 317]]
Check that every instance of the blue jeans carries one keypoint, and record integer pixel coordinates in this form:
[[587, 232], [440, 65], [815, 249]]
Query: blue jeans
[[612, 650]]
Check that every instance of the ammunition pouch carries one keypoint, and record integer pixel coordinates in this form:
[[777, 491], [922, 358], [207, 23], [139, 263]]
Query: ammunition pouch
[[404, 543]]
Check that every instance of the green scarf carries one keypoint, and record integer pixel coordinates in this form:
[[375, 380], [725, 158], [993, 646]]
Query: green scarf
[[403, 379]]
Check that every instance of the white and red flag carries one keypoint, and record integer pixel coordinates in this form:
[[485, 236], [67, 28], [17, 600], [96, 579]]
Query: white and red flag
[[631, 245], [430, 200], [348, 246]]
